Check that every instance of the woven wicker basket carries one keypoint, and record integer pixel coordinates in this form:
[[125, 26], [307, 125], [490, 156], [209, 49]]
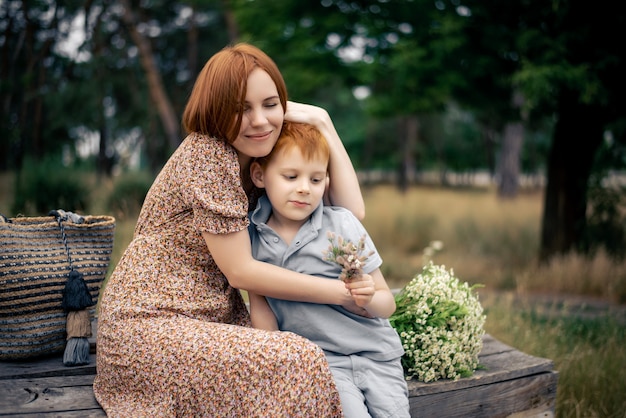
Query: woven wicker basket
[[34, 268]]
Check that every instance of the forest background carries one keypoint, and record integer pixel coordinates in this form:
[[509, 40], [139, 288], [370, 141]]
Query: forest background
[[497, 127], [504, 88]]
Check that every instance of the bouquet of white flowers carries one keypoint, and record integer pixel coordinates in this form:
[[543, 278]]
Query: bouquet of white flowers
[[440, 322]]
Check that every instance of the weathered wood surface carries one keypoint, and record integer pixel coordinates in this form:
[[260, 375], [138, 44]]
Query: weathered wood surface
[[59, 396], [509, 384], [498, 362]]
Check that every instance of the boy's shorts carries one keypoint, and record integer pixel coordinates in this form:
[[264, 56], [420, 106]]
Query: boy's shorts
[[370, 388]]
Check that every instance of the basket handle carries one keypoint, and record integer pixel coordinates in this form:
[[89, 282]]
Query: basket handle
[[63, 216]]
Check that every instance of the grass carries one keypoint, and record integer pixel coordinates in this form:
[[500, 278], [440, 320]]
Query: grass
[[587, 349], [494, 242], [485, 239]]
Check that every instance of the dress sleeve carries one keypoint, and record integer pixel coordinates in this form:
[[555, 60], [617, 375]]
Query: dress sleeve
[[215, 194]]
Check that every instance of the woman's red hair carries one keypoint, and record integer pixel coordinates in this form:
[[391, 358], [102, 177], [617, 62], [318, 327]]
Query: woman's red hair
[[215, 105]]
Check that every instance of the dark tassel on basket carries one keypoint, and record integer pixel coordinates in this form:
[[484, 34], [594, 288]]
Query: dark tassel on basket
[[76, 294], [76, 300]]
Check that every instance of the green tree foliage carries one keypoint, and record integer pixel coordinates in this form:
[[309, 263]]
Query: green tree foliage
[[31, 70], [129, 193], [402, 51], [47, 94], [47, 185], [441, 77]]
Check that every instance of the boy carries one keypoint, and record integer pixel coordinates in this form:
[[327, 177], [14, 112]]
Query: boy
[[290, 227]]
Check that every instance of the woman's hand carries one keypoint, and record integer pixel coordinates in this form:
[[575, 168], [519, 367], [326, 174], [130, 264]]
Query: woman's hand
[[352, 307], [306, 113]]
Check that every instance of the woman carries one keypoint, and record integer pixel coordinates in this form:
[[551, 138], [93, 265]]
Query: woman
[[174, 336]]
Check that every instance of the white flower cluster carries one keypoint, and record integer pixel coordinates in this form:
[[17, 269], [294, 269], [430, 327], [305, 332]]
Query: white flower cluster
[[440, 322]]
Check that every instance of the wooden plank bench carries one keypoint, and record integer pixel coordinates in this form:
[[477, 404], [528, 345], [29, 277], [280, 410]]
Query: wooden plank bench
[[510, 384]]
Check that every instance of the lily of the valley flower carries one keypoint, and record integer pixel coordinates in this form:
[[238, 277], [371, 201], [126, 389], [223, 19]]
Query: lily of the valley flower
[[440, 322]]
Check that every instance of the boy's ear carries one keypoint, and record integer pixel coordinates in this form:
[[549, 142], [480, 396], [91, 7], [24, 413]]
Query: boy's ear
[[256, 174]]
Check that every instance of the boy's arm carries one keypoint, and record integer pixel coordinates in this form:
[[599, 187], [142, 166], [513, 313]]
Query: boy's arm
[[261, 314], [372, 293]]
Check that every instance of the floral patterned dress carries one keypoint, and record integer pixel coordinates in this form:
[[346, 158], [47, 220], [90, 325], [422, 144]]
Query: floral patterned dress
[[174, 338]]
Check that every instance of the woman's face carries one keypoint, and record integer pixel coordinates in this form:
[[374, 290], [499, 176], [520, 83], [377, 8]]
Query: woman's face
[[262, 118]]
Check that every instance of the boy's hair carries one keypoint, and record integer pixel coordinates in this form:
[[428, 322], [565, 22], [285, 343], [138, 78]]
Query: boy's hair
[[307, 138], [215, 106]]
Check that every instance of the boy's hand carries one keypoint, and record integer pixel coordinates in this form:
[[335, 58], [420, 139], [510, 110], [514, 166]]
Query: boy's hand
[[362, 289]]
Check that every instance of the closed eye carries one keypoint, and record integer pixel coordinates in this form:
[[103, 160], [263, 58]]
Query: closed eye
[[272, 101]]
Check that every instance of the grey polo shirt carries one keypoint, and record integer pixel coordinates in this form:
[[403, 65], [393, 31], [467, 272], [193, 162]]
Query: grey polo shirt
[[332, 327]]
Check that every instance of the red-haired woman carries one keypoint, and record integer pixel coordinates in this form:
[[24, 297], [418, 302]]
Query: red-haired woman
[[174, 335]]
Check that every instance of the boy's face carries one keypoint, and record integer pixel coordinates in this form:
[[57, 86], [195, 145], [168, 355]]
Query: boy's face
[[294, 186]]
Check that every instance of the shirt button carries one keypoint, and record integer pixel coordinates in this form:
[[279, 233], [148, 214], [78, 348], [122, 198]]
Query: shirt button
[[297, 243], [275, 239]]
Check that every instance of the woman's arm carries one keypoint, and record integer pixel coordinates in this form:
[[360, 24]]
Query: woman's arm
[[261, 314], [344, 189], [233, 255]]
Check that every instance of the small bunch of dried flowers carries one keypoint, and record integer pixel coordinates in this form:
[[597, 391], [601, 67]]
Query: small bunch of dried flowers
[[348, 255]]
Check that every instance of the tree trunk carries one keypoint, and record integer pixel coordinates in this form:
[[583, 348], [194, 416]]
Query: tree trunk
[[231, 22], [103, 163], [368, 150], [509, 166], [409, 134], [510, 154], [577, 137], [193, 36], [165, 109], [490, 139], [31, 110]]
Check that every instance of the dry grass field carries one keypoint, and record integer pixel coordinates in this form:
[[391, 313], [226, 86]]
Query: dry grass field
[[486, 240]]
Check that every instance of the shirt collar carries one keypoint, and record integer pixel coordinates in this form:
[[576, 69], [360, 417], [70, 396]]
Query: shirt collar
[[263, 210]]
